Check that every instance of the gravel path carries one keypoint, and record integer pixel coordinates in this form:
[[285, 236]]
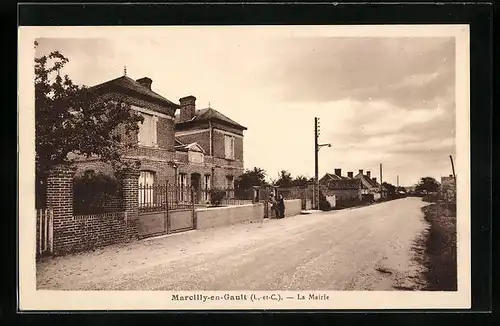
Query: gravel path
[[368, 248]]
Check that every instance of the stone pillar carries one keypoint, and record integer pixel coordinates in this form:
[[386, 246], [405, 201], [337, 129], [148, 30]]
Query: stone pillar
[[60, 200], [130, 192]]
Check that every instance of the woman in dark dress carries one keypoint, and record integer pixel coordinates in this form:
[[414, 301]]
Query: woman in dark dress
[[281, 206]]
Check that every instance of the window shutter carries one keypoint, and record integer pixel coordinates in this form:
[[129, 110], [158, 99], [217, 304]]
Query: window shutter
[[227, 147], [154, 130], [232, 147]]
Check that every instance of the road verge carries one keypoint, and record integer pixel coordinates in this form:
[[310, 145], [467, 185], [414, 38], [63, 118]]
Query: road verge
[[440, 255]]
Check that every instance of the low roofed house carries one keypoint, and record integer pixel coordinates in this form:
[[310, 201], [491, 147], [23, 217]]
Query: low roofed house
[[343, 187], [369, 184]]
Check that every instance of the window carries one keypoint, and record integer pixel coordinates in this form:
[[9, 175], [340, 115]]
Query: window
[[207, 187], [182, 187], [230, 186], [229, 147], [147, 130], [146, 183], [195, 157]]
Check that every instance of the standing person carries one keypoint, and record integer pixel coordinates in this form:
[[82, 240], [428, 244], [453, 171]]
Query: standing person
[[274, 205], [281, 206]]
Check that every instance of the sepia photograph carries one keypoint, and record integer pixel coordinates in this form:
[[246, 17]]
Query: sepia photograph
[[246, 167]]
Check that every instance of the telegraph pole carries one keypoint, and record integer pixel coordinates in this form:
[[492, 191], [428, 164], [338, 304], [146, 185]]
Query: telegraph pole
[[454, 178], [397, 182], [316, 150], [381, 180]]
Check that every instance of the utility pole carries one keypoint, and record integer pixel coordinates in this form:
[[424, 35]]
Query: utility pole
[[397, 182], [454, 178], [317, 147], [381, 180], [316, 180]]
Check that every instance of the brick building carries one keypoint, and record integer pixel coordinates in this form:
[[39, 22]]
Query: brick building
[[202, 148]]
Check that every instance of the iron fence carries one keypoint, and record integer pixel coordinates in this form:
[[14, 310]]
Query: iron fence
[[224, 197], [160, 197]]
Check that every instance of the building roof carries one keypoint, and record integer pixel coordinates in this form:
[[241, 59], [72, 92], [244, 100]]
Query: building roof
[[195, 147], [333, 176], [344, 183], [367, 182], [129, 84], [208, 114]]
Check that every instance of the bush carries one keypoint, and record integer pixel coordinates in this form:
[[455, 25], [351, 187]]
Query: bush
[[216, 196], [95, 193], [430, 198], [368, 198]]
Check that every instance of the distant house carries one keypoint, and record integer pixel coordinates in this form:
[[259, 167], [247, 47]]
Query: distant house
[[343, 187], [369, 184], [448, 185]]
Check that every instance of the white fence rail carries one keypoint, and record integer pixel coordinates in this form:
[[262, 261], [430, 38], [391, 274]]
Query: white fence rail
[[44, 232]]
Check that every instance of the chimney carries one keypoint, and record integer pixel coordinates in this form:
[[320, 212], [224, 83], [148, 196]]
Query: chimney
[[360, 171], [188, 108], [368, 174], [145, 81], [350, 174], [374, 179], [338, 172]]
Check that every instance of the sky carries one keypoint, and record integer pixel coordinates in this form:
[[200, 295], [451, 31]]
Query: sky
[[380, 100]]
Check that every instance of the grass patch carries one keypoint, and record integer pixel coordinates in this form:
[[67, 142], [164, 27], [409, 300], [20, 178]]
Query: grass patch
[[441, 248]]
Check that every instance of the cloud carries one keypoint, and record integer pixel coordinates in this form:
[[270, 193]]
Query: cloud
[[407, 72]]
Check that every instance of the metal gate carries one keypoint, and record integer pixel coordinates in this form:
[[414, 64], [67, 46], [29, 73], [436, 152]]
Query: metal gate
[[44, 232], [165, 209]]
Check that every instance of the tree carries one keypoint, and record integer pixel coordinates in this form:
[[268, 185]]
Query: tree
[[427, 184], [71, 122], [300, 181], [254, 177], [285, 179]]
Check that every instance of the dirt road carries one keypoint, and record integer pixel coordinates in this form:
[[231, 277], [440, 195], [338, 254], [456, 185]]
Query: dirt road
[[368, 248]]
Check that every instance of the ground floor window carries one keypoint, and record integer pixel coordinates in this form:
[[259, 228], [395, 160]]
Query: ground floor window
[[182, 182], [146, 190], [230, 186], [207, 186]]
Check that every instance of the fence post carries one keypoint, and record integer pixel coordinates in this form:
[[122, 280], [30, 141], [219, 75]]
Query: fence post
[[193, 211], [130, 190], [60, 200]]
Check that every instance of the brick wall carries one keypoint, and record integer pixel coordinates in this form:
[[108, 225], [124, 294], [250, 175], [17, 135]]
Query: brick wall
[[76, 233], [219, 146], [224, 127], [60, 200], [165, 133], [202, 138], [99, 230]]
